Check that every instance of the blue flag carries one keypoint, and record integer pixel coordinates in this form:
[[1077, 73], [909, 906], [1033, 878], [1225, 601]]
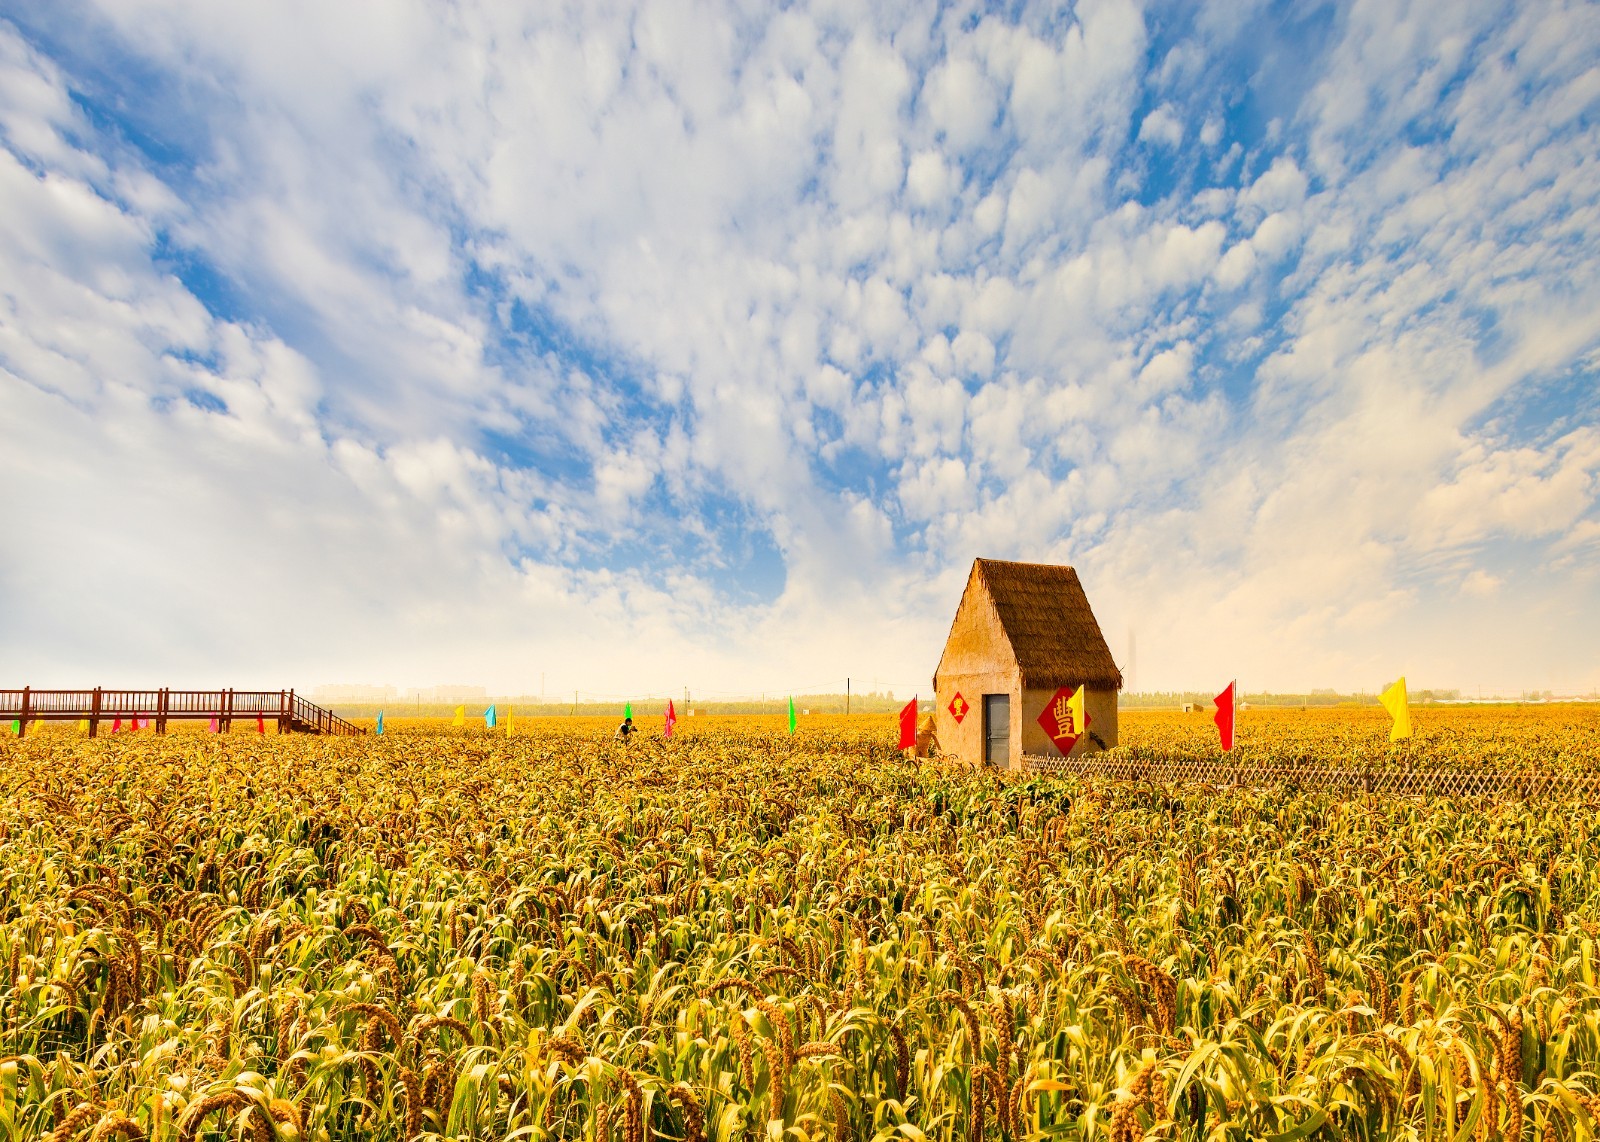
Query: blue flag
[[380, 722], [489, 718]]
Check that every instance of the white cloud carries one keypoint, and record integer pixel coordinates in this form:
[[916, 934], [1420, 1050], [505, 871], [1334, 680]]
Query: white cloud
[[973, 353], [1281, 187], [928, 179], [513, 283], [1514, 491], [1479, 584], [867, 149], [1162, 126], [1167, 370], [1236, 266], [961, 103]]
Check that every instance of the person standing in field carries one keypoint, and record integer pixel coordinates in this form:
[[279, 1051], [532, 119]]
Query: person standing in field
[[625, 731]]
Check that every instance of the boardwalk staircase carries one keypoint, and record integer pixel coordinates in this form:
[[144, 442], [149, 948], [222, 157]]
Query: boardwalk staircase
[[284, 709]]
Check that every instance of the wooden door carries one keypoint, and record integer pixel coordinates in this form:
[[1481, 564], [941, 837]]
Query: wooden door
[[997, 729]]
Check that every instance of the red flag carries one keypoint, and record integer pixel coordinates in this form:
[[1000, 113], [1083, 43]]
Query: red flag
[[1224, 716], [261, 724], [116, 725], [672, 718], [908, 725]]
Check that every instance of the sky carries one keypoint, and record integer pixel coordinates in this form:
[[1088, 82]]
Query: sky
[[627, 347]]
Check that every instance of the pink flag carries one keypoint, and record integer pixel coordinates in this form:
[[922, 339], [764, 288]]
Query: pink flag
[[144, 723], [1224, 716], [213, 725], [672, 718]]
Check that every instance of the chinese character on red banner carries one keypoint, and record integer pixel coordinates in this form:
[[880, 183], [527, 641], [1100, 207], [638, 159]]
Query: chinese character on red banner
[[958, 707], [1064, 719]]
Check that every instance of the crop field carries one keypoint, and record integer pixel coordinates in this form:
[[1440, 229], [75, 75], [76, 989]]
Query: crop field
[[740, 934]]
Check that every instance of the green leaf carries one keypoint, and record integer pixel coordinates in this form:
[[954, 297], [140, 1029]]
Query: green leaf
[[1307, 1128]]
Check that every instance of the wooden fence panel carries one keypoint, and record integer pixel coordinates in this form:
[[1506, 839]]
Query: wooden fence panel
[[1389, 780]]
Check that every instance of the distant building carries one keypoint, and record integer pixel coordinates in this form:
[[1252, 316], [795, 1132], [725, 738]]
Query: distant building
[[453, 693], [352, 693], [1023, 639]]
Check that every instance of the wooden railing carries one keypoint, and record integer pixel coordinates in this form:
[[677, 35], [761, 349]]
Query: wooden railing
[[285, 709]]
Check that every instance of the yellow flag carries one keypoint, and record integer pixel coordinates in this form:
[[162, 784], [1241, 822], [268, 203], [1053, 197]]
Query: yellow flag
[[1394, 700], [511, 719], [1075, 704], [461, 716]]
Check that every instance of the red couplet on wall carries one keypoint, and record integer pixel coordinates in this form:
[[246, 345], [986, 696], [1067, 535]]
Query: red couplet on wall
[[1060, 722]]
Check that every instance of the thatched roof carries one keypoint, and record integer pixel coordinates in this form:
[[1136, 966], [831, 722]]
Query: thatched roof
[[1047, 619]]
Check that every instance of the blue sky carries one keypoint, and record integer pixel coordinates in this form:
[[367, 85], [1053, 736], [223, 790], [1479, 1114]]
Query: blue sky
[[641, 346]]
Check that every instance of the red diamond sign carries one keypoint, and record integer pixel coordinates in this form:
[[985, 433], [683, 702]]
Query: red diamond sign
[[958, 707], [1060, 720]]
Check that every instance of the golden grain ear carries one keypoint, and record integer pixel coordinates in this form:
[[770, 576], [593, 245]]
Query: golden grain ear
[[423, 936]]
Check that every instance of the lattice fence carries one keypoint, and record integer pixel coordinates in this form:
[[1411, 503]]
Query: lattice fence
[[1393, 781]]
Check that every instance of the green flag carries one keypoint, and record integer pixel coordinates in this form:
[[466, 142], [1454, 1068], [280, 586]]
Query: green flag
[[627, 710], [16, 728], [791, 716]]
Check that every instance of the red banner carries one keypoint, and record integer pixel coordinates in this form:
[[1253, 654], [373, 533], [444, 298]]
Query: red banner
[[1224, 716], [908, 725], [958, 707], [1060, 721], [672, 719]]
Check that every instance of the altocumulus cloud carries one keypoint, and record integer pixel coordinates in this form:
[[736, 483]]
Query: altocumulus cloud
[[681, 342]]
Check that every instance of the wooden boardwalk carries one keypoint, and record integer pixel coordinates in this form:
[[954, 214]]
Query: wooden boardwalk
[[1392, 780], [283, 708]]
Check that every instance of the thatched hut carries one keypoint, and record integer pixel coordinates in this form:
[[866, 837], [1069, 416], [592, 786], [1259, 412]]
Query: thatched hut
[[1023, 638]]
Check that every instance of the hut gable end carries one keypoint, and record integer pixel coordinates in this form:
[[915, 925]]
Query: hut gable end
[[1045, 615], [977, 643]]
